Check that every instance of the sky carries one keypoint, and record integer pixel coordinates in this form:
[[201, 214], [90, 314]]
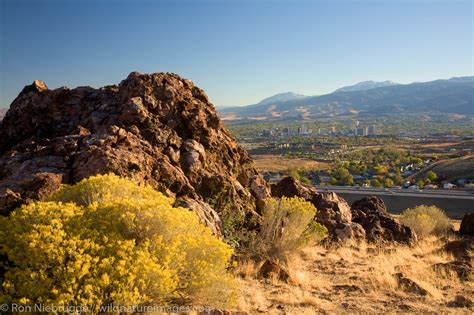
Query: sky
[[239, 52]]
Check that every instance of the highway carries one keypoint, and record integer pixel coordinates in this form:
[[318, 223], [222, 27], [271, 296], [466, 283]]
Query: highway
[[432, 193], [454, 202]]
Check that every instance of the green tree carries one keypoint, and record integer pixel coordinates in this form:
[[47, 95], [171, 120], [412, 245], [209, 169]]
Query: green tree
[[388, 182], [380, 170], [376, 183], [345, 178], [420, 184], [431, 176]]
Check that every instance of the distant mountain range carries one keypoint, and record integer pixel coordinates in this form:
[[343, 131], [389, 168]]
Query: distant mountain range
[[366, 85], [455, 95], [282, 97]]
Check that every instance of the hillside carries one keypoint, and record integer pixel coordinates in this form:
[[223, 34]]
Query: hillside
[[451, 169], [441, 96]]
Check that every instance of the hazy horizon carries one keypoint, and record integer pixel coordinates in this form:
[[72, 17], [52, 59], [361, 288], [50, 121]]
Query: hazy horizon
[[239, 52]]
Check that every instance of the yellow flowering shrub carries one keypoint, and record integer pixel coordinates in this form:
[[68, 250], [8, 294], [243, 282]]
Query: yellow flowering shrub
[[107, 241], [288, 224]]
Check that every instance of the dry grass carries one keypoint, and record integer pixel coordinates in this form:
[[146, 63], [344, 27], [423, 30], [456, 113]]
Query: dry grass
[[273, 163], [356, 280]]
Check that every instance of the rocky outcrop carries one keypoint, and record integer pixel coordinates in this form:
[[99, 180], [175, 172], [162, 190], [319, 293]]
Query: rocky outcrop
[[155, 128], [371, 213], [291, 187], [332, 211], [463, 269], [467, 225], [461, 249]]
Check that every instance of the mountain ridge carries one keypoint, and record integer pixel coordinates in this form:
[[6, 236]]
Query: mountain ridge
[[365, 85], [455, 95]]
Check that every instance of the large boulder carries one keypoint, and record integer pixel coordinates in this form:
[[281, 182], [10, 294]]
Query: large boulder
[[332, 211], [335, 214], [371, 213], [291, 187], [467, 225], [155, 128]]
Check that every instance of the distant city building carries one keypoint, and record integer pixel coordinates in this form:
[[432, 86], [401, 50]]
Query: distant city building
[[361, 131], [287, 132], [323, 131], [372, 130], [267, 132], [303, 130]]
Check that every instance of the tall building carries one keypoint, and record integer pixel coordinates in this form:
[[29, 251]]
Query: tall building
[[361, 131], [372, 130]]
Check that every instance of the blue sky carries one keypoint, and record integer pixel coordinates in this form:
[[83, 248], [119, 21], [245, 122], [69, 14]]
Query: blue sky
[[238, 51]]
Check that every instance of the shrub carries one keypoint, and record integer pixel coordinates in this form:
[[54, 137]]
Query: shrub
[[426, 220], [288, 224], [108, 241]]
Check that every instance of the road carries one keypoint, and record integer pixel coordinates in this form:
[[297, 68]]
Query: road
[[454, 202]]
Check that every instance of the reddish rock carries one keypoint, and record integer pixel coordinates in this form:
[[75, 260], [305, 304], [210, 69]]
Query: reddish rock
[[155, 128], [291, 187], [372, 215], [463, 269], [409, 285], [467, 225], [332, 211], [270, 268], [461, 249]]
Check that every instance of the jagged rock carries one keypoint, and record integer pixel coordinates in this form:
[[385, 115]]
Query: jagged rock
[[461, 249], [409, 285], [270, 268], [332, 211], [335, 214], [331, 207], [461, 301], [349, 232], [291, 187], [467, 225], [371, 213], [463, 269], [155, 128]]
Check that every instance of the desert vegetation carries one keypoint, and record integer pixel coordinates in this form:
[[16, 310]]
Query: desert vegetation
[[362, 279], [107, 240], [426, 221]]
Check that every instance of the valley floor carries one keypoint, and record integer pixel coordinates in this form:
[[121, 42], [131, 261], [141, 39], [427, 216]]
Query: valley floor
[[360, 279]]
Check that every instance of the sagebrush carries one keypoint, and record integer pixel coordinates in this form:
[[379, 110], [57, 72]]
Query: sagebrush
[[107, 241], [288, 224], [426, 220]]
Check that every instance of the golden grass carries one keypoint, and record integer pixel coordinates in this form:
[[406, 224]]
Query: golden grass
[[356, 280], [275, 163]]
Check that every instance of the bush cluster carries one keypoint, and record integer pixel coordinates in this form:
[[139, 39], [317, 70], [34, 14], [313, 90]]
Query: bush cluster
[[426, 220], [107, 241], [288, 224]]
